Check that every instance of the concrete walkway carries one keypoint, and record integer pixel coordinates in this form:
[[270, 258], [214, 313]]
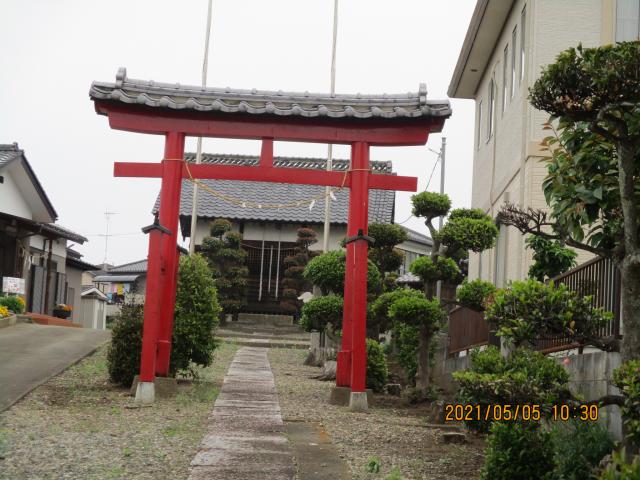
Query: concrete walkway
[[32, 354], [246, 437]]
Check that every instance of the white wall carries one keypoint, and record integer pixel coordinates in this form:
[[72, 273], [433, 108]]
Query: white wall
[[509, 167], [12, 201]]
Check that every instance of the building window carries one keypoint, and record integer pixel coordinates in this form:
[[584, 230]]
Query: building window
[[514, 41], [492, 104], [505, 79], [480, 113], [627, 20], [523, 19]]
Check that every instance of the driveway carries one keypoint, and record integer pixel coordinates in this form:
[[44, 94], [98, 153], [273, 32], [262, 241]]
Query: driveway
[[31, 354]]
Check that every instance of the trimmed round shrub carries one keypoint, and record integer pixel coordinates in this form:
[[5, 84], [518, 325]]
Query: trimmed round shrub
[[13, 303], [473, 294], [407, 338], [466, 233], [430, 204], [377, 369], [380, 307], [123, 356], [327, 272], [476, 213], [441, 269], [196, 315], [320, 311], [219, 227], [418, 311], [387, 235], [387, 259], [518, 451]]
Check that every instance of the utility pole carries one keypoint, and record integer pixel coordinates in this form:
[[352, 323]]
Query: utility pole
[[194, 206], [443, 149], [327, 198]]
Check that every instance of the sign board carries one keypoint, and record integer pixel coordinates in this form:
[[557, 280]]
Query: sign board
[[13, 285]]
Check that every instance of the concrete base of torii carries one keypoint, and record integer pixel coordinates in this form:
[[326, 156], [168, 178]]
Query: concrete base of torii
[[358, 402], [342, 396]]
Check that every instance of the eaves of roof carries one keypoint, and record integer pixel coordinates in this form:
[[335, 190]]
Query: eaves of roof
[[263, 102], [20, 156], [79, 264], [115, 278], [487, 22]]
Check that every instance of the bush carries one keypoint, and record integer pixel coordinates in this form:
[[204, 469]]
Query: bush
[[380, 307], [407, 339], [418, 311], [627, 379], [579, 446], [525, 310], [327, 272], [387, 235], [196, 315], [430, 204], [123, 356], [377, 370], [525, 377], [518, 451], [14, 303], [322, 310], [469, 233], [550, 258], [429, 271], [473, 294], [619, 469]]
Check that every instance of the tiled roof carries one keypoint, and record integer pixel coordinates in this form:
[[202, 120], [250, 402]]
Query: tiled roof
[[381, 202], [417, 236], [10, 153], [258, 102], [133, 267], [63, 232]]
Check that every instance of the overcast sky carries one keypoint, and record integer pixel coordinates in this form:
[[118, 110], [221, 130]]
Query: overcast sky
[[52, 50]]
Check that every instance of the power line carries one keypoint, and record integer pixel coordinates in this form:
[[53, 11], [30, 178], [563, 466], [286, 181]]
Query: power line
[[425, 188]]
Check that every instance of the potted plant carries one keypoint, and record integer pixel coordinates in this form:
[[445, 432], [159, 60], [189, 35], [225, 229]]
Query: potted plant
[[62, 311]]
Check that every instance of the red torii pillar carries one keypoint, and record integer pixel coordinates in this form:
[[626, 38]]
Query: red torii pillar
[[175, 112]]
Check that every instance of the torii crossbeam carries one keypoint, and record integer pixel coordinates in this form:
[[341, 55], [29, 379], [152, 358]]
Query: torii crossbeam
[[176, 111]]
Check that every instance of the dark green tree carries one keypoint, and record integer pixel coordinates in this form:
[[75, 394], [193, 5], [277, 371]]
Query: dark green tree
[[196, 316], [294, 282], [466, 229], [593, 181], [384, 254], [227, 261]]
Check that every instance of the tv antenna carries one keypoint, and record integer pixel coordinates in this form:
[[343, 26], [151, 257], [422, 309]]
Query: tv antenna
[[107, 216]]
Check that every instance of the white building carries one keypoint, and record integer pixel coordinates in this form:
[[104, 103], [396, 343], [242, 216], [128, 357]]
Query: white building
[[507, 44]]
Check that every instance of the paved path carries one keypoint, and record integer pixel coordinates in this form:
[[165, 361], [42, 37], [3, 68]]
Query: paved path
[[32, 354], [246, 438]]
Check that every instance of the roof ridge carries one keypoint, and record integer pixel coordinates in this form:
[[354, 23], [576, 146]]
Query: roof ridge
[[10, 147], [279, 157], [127, 264]]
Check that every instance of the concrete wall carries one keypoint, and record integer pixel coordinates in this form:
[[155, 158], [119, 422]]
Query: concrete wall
[[507, 166], [590, 377], [74, 280]]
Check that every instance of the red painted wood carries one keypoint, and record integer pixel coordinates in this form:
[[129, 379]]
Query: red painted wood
[[266, 153], [375, 131], [151, 325], [168, 215], [301, 176], [359, 202]]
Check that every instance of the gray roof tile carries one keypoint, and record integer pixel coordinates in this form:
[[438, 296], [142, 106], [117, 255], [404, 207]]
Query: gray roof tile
[[132, 267], [381, 202], [258, 102]]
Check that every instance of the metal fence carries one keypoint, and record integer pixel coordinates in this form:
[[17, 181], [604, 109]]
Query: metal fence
[[598, 278]]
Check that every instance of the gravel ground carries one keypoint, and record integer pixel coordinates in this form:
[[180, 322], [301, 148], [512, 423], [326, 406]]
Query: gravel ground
[[79, 426], [394, 433]]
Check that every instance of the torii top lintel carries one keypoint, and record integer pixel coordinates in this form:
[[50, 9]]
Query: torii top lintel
[[379, 120]]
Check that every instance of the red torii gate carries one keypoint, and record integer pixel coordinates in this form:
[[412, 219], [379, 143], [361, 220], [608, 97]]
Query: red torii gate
[[176, 111]]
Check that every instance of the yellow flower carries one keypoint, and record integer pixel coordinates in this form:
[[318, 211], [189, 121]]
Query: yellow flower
[[4, 311]]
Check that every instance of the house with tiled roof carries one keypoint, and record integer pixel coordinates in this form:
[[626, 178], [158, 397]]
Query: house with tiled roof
[[269, 214], [33, 248]]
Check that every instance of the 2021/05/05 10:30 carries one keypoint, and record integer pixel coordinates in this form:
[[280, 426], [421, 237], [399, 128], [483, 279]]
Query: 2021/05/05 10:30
[[527, 412]]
